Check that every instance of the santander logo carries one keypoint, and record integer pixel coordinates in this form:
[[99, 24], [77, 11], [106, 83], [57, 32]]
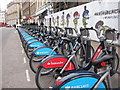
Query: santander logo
[[54, 63]]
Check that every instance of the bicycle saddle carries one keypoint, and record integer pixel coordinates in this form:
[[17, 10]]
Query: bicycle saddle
[[102, 59]]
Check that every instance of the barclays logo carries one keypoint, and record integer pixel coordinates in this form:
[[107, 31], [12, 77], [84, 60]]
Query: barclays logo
[[41, 52], [77, 86]]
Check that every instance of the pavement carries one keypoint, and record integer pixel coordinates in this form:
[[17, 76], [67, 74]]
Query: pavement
[[14, 63], [15, 69]]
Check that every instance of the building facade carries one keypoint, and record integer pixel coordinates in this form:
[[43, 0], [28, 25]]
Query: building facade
[[33, 7], [12, 13], [42, 10], [28, 11], [47, 7], [59, 6], [34, 11], [25, 11], [2, 17]]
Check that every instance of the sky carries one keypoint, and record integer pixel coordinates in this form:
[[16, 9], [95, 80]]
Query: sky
[[3, 4]]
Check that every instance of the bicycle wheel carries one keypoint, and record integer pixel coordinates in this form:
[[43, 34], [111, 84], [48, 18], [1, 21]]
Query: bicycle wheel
[[45, 81], [81, 56], [115, 63], [59, 50], [35, 60], [29, 51], [66, 49]]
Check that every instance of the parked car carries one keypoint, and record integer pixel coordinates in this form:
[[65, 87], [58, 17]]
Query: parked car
[[2, 24]]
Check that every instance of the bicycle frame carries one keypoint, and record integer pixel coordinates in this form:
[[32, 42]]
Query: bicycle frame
[[100, 47], [106, 74], [65, 64], [73, 56]]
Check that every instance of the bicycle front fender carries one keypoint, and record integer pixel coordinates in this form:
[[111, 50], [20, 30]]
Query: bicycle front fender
[[31, 40], [57, 61], [44, 50], [79, 80], [36, 44], [54, 61]]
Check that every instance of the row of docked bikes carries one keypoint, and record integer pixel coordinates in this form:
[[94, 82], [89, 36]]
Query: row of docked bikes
[[64, 58]]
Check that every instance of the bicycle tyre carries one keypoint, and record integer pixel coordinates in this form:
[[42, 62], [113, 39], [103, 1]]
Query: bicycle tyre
[[33, 63], [84, 63], [44, 81], [81, 53], [28, 51], [115, 64], [65, 49]]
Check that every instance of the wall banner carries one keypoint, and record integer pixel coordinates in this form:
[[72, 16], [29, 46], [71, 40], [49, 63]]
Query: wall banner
[[93, 14]]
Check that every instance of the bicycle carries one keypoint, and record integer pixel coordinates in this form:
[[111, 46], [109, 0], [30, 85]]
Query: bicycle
[[86, 79], [78, 46], [64, 65], [42, 52], [32, 43], [90, 80]]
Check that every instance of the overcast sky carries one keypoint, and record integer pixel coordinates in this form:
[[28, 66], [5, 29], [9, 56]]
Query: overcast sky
[[3, 4]]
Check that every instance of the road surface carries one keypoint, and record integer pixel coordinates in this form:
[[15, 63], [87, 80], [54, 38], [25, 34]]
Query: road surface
[[15, 69]]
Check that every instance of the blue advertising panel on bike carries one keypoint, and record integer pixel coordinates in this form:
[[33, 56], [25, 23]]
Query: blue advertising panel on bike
[[44, 51], [36, 44], [32, 40], [80, 83]]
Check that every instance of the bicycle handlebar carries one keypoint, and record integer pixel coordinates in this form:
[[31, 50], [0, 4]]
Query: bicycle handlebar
[[99, 32], [91, 30]]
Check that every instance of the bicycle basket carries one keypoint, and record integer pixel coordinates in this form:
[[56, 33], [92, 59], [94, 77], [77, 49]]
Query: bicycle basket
[[110, 34], [84, 32]]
